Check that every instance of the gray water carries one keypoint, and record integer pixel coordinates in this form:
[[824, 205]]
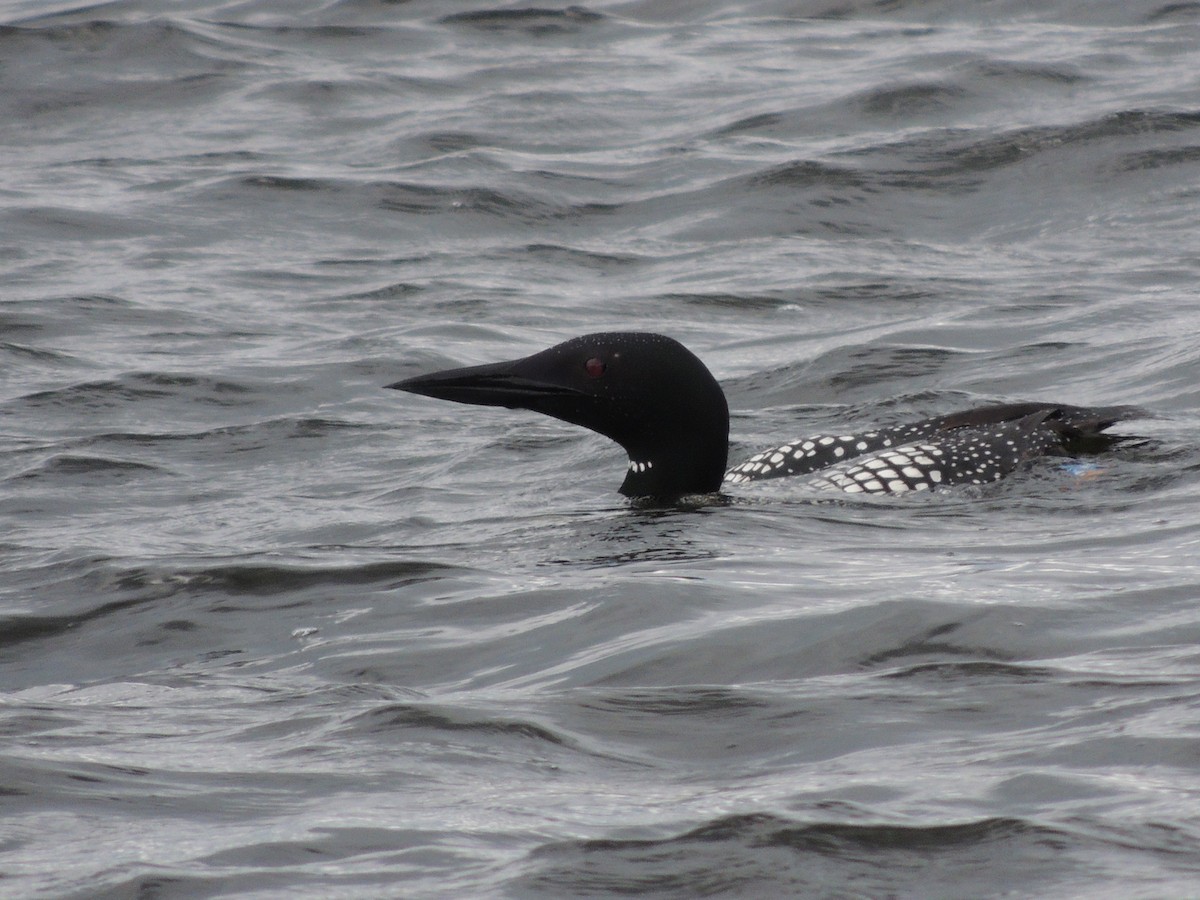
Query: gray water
[[268, 630]]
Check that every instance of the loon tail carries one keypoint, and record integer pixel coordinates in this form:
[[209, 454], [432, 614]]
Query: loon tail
[[1083, 430]]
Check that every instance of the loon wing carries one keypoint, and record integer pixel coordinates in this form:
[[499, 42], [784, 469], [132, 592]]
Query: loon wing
[[971, 447]]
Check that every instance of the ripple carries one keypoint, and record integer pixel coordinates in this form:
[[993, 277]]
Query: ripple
[[534, 21]]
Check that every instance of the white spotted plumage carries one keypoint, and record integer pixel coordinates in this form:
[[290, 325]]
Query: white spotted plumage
[[911, 458]]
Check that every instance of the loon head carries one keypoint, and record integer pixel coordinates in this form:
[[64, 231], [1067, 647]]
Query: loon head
[[647, 392]]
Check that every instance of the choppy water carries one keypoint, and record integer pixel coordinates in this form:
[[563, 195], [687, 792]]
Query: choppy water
[[269, 630]]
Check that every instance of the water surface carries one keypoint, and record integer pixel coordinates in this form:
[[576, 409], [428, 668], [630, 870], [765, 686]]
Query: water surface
[[267, 629]]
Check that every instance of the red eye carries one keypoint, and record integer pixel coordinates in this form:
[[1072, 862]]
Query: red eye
[[594, 367]]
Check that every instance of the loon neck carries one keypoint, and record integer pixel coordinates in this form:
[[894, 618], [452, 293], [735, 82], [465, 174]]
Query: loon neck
[[678, 468]]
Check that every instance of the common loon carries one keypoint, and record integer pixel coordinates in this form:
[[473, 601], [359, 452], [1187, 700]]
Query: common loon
[[656, 399]]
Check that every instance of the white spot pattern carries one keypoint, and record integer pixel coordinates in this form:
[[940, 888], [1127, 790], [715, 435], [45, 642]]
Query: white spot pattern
[[916, 457]]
